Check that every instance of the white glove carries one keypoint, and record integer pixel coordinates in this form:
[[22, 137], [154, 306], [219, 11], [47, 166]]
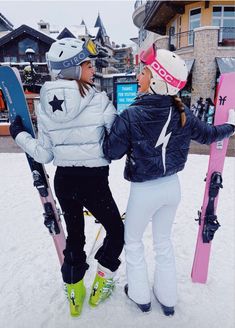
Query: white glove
[[231, 117]]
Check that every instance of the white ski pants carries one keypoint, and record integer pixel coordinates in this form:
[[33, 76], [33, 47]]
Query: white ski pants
[[157, 200]]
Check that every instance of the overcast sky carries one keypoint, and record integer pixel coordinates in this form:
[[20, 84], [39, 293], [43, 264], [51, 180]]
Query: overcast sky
[[116, 15]]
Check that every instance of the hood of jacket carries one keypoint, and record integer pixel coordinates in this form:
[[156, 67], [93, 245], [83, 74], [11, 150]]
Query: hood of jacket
[[62, 101]]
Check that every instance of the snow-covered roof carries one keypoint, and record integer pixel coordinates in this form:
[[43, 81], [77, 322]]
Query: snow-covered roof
[[93, 31], [53, 32], [76, 30], [22, 63], [7, 23], [3, 33]]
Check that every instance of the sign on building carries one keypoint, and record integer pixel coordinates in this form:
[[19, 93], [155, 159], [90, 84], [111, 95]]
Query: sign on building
[[124, 95]]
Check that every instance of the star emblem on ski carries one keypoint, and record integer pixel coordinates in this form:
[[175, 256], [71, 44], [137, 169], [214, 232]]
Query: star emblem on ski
[[13, 92], [56, 104]]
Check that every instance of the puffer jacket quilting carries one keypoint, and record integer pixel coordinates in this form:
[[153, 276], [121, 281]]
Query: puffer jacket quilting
[[150, 133], [73, 133]]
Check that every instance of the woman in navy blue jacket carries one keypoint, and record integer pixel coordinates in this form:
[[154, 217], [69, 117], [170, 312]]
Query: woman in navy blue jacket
[[155, 134]]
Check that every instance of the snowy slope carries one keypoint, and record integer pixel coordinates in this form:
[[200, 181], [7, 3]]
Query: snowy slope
[[30, 282]]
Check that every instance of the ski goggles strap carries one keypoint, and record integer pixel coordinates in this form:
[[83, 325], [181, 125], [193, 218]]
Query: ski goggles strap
[[89, 50], [149, 57]]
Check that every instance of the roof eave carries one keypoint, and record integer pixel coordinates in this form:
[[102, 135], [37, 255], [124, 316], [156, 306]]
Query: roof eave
[[25, 28], [159, 13]]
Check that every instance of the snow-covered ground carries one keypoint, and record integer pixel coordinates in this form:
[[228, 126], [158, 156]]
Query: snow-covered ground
[[31, 290]]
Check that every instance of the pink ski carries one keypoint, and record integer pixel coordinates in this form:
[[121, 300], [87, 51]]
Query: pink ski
[[225, 101]]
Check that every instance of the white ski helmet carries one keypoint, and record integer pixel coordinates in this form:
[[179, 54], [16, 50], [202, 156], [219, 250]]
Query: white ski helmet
[[169, 71], [66, 55]]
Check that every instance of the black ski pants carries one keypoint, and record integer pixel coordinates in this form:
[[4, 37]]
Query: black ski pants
[[73, 192]]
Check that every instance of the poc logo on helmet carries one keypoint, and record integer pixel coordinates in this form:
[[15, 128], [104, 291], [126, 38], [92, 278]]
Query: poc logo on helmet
[[162, 72]]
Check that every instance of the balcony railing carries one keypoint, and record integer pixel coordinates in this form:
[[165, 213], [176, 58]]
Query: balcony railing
[[181, 40], [226, 36]]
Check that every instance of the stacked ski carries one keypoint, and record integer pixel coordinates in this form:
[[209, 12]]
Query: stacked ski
[[208, 223], [12, 89]]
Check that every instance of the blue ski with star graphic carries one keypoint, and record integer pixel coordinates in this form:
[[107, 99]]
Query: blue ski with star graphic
[[11, 86]]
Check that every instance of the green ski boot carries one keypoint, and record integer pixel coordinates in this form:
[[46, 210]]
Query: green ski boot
[[76, 296], [102, 287]]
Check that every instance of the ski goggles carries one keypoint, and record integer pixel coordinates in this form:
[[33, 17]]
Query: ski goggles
[[149, 57], [89, 50]]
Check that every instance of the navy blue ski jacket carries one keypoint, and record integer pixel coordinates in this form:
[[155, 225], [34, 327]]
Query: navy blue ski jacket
[[150, 133]]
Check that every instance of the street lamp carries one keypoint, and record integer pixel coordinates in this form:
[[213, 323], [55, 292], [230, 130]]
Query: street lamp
[[29, 52]]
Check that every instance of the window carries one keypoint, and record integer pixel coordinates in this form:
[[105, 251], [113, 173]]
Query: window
[[10, 59], [25, 44], [194, 22], [174, 35], [224, 17]]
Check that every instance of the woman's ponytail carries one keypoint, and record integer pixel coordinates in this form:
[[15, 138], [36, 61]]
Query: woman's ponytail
[[181, 108]]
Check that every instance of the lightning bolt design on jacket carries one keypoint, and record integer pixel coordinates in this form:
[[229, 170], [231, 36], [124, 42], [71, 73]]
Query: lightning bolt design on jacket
[[164, 139]]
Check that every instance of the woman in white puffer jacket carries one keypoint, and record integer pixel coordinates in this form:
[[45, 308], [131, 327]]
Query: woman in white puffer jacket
[[72, 133], [72, 119]]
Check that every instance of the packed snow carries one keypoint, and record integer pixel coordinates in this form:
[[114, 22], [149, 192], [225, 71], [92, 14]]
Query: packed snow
[[30, 281]]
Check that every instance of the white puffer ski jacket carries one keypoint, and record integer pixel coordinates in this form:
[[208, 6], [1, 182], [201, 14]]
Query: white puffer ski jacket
[[70, 128]]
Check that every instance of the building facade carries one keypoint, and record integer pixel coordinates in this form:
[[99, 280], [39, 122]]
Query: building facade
[[15, 43], [124, 59], [13, 52], [201, 32]]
